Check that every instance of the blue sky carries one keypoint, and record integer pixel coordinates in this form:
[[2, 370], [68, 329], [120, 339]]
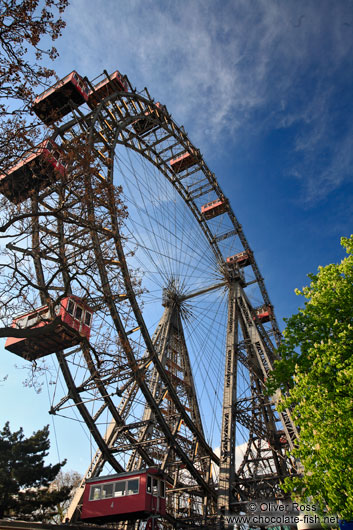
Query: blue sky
[[264, 89]]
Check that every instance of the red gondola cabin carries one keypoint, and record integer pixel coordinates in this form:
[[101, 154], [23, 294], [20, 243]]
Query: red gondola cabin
[[33, 173], [214, 208], [264, 313], [183, 162], [54, 103], [116, 83], [75, 322], [133, 495], [282, 437], [242, 259], [144, 125]]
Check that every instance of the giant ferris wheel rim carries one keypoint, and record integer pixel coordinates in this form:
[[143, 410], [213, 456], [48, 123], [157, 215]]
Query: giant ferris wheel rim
[[134, 107], [182, 143], [166, 121]]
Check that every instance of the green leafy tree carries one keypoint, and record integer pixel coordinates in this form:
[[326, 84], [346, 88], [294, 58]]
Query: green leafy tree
[[316, 378], [25, 479]]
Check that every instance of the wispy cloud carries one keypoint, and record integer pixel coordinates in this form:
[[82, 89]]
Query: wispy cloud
[[227, 69]]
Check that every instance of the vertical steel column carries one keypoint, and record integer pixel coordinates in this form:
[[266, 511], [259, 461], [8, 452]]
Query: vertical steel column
[[227, 458]]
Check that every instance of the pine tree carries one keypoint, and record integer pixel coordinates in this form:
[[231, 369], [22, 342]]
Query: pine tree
[[25, 478]]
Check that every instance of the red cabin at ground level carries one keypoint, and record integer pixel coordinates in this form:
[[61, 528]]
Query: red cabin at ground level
[[214, 208], [144, 125], [133, 495], [33, 173], [242, 259], [105, 88], [264, 313], [183, 162], [74, 323], [53, 104]]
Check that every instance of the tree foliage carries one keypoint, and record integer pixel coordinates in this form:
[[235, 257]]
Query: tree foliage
[[70, 479], [50, 248], [25, 479], [316, 377], [23, 25]]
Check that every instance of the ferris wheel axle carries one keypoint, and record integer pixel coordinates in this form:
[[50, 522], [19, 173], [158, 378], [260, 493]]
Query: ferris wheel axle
[[201, 291]]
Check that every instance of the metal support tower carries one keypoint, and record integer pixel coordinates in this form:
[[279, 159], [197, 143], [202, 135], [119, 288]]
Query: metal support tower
[[189, 500], [265, 463]]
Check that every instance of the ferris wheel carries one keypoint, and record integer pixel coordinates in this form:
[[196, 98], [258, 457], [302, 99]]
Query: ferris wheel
[[153, 316]]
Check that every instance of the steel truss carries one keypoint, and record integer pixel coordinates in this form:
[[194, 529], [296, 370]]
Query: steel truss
[[135, 390]]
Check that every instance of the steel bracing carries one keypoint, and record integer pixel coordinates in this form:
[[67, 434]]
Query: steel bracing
[[266, 463], [173, 375]]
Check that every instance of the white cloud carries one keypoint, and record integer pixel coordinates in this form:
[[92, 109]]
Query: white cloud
[[227, 69]]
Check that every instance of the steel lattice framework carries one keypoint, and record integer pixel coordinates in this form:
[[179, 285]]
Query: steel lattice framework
[[135, 384]]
